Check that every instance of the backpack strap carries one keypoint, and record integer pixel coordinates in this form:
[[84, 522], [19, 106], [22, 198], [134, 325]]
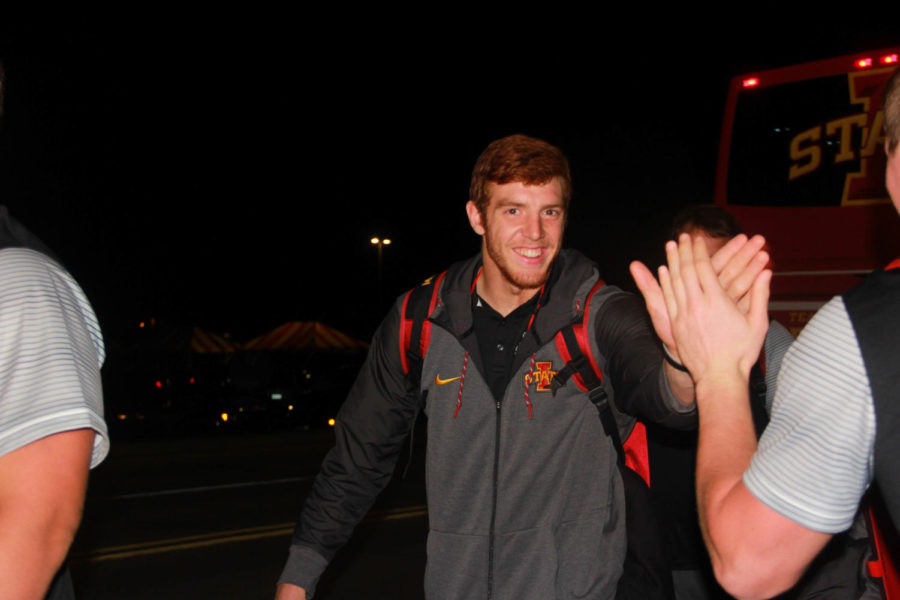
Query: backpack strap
[[415, 328], [415, 337], [573, 345], [758, 391], [884, 541]]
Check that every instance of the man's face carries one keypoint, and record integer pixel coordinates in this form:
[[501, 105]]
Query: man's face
[[523, 229]]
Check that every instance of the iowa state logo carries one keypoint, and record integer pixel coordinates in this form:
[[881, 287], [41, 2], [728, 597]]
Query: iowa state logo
[[542, 376]]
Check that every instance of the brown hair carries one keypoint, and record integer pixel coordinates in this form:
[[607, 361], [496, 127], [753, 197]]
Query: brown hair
[[892, 111], [711, 219], [519, 158]]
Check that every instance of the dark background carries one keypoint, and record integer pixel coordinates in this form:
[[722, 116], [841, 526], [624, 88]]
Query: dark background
[[228, 171]]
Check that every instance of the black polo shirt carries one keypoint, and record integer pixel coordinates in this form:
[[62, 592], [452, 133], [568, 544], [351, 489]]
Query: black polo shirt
[[498, 338]]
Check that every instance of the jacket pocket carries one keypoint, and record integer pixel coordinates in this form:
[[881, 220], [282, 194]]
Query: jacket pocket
[[457, 566], [590, 554]]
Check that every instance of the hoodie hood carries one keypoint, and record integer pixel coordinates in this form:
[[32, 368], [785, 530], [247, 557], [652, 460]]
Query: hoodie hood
[[571, 277]]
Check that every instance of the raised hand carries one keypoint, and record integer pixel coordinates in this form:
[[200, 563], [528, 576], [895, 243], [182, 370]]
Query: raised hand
[[737, 265], [714, 336]]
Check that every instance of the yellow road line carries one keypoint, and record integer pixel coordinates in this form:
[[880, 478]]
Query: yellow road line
[[224, 537]]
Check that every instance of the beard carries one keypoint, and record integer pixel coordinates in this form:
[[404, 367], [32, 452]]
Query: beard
[[518, 277]]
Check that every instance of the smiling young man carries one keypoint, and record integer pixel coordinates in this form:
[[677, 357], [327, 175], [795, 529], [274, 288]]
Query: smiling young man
[[524, 496], [522, 230]]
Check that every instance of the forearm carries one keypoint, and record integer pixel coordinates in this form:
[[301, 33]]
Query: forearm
[[31, 551], [644, 386], [755, 552], [726, 444], [302, 570], [42, 488]]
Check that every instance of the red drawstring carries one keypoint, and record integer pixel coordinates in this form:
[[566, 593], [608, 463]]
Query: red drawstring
[[462, 379], [466, 359], [527, 401]]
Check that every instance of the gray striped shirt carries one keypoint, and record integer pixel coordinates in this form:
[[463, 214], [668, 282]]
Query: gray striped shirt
[[51, 350], [815, 459]]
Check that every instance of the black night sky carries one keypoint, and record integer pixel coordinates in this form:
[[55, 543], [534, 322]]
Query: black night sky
[[229, 174]]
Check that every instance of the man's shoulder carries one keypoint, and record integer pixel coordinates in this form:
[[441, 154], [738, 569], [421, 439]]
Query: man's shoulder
[[578, 276], [27, 260], [830, 326], [40, 293], [875, 299], [27, 272], [458, 276]]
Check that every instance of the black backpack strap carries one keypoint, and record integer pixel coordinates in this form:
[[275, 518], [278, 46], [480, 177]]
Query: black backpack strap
[[578, 365], [758, 397], [601, 401]]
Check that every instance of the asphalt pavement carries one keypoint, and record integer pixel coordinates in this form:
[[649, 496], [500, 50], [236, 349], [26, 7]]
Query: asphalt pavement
[[212, 516]]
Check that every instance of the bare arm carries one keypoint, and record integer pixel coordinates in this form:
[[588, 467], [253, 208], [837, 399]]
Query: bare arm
[[42, 486], [756, 552]]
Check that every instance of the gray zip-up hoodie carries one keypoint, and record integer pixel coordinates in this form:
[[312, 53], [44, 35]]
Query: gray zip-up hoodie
[[524, 498]]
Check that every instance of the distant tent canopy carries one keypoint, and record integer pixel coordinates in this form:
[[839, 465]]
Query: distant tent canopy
[[305, 335], [206, 342]]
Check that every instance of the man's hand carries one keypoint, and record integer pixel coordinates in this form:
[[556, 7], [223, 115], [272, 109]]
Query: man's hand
[[656, 302], [286, 591], [714, 337], [737, 265]]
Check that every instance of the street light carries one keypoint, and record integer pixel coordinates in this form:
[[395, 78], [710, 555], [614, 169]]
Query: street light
[[380, 242]]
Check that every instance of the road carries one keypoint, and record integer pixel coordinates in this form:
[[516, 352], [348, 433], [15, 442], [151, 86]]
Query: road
[[211, 517]]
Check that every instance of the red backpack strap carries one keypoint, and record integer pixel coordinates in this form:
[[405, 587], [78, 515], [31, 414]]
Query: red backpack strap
[[574, 346], [582, 333], [415, 328]]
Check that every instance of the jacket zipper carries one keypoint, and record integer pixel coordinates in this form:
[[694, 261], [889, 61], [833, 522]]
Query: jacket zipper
[[490, 581]]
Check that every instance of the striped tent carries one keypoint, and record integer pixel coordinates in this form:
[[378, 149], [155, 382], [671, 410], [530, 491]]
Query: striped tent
[[206, 342], [305, 335]]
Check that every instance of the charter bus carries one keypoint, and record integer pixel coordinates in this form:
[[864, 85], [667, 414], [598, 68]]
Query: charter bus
[[801, 161]]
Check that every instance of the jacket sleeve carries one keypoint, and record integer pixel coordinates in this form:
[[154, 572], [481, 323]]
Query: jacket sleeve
[[634, 362], [370, 430]]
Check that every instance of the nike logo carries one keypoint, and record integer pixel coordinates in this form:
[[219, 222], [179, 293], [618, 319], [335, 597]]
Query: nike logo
[[439, 381]]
